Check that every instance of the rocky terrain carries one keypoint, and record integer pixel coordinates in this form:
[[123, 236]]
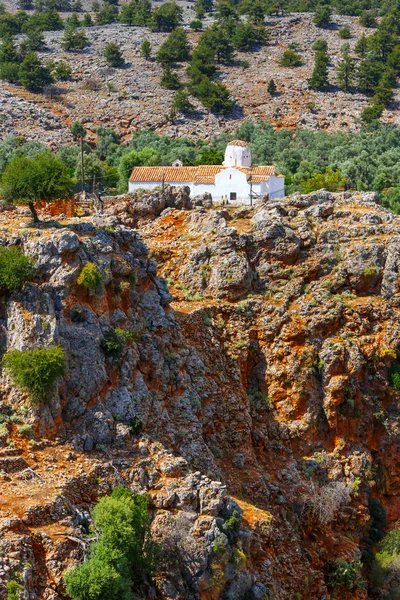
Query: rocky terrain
[[252, 398], [131, 98]]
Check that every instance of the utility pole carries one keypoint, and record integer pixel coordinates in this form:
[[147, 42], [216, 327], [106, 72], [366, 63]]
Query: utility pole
[[251, 191], [82, 166]]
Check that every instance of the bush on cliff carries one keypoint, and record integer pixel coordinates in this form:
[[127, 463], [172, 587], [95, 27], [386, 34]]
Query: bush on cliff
[[15, 268], [124, 555], [36, 371], [90, 277]]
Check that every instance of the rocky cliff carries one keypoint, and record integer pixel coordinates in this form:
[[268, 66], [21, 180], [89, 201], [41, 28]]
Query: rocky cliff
[[250, 394]]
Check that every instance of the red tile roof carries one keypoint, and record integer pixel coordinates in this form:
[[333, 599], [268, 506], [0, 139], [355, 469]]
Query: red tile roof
[[238, 143], [200, 174]]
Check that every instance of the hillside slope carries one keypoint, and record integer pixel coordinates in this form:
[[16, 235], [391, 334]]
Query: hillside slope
[[131, 98]]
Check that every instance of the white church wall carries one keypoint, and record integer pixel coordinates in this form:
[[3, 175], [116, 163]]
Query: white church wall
[[277, 187], [231, 181]]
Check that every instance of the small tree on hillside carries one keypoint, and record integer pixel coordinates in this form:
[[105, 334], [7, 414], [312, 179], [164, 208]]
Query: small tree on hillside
[[271, 87], [170, 79], [146, 49], [74, 40], [290, 59], [175, 48], [322, 16], [362, 46], [182, 103], [113, 55], [29, 180], [166, 17], [32, 74], [77, 130], [319, 78], [345, 73]]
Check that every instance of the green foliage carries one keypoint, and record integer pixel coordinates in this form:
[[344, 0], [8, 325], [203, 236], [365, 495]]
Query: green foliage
[[175, 48], [74, 40], [77, 314], [170, 79], [166, 17], [346, 72], [25, 430], [368, 19], [124, 554], [61, 71], [87, 20], [346, 574], [322, 15], [15, 268], [108, 13], [345, 33], [111, 344], [126, 335], [372, 113], [320, 46], [330, 180], [113, 55], [247, 35], [136, 12], [395, 376], [271, 87], [196, 25], [213, 95], [32, 74], [27, 180], [146, 49], [290, 59], [181, 102], [319, 78], [90, 277], [77, 130], [36, 371], [34, 42]]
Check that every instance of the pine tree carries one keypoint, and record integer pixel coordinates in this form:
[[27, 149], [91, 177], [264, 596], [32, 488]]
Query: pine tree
[[319, 78], [169, 79], [113, 55], [146, 49], [345, 72], [271, 87], [175, 48], [182, 103], [32, 74], [361, 47], [322, 16]]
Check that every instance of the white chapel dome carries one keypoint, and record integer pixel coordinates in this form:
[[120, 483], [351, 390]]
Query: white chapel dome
[[237, 154]]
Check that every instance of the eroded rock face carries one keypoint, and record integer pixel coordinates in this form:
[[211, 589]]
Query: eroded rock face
[[254, 371]]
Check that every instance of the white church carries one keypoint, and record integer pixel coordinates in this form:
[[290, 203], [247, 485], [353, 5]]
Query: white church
[[236, 181]]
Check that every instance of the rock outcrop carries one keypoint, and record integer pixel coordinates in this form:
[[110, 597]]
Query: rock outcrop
[[251, 385]]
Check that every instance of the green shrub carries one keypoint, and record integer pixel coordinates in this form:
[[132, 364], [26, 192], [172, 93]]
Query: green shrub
[[345, 33], [126, 335], [345, 574], [15, 268], [36, 370], [77, 314], [90, 277], [124, 555], [111, 344], [25, 430], [395, 376], [290, 59]]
